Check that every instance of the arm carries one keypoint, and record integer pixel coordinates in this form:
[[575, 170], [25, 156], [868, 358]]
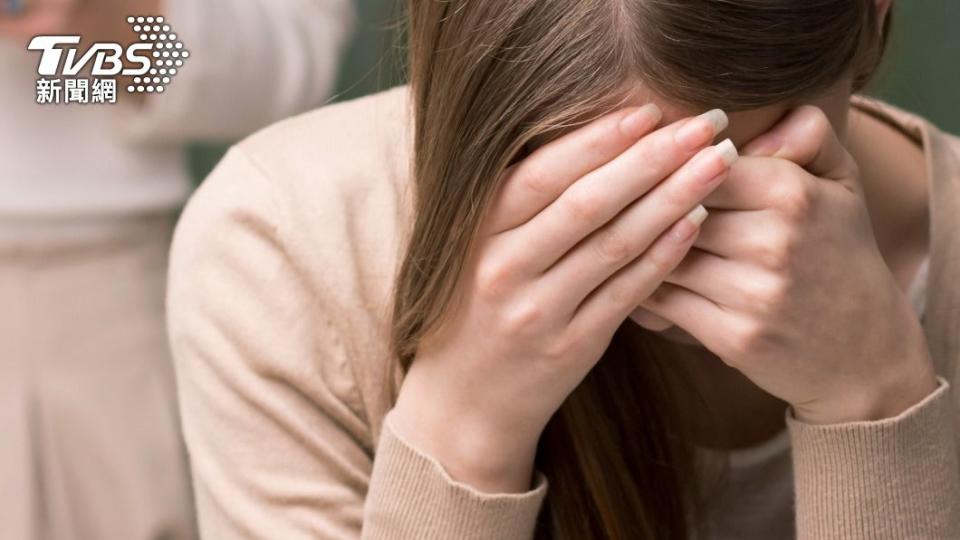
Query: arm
[[278, 437], [897, 477], [253, 62], [873, 427]]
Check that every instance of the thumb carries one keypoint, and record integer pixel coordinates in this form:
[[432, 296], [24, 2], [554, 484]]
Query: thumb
[[806, 137]]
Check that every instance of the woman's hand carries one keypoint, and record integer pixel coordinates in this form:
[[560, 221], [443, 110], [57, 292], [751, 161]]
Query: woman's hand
[[580, 232], [786, 283]]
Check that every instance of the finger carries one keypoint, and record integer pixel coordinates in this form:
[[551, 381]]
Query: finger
[[707, 322], [602, 194], [806, 137], [593, 260], [541, 177], [654, 323], [610, 304], [738, 234], [757, 183], [732, 284]]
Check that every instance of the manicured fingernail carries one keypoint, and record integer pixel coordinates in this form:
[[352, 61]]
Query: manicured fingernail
[[686, 227], [702, 129], [727, 152], [705, 169], [640, 121], [697, 215]]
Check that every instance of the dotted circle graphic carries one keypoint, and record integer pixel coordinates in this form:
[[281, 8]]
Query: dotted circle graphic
[[168, 51]]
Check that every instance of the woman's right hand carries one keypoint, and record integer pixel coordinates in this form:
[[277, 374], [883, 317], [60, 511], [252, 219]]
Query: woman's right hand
[[581, 231]]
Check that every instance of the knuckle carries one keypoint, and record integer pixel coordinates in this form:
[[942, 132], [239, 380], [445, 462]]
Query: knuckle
[[772, 254], [661, 260], [521, 318], [493, 277], [746, 340], [561, 348], [611, 247], [796, 199], [621, 293], [768, 293], [534, 177], [584, 206]]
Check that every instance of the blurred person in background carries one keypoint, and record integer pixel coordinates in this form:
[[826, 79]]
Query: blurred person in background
[[88, 197]]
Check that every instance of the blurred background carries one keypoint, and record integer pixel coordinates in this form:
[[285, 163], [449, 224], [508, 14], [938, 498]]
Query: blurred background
[[920, 71]]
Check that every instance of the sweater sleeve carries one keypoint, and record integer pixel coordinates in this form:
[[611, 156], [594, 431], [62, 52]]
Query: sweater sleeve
[[274, 423], [892, 478], [252, 62]]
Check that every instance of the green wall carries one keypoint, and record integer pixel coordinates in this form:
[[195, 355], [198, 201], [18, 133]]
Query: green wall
[[920, 73]]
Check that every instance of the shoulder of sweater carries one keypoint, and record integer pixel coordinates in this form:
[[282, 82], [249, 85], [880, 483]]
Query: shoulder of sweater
[[304, 217], [338, 130], [911, 123], [338, 180], [338, 158], [953, 140], [942, 147], [334, 183]]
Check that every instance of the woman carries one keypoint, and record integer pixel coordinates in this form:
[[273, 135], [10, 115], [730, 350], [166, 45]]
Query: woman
[[505, 256]]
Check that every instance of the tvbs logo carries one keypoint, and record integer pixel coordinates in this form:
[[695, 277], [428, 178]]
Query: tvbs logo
[[152, 62], [107, 57]]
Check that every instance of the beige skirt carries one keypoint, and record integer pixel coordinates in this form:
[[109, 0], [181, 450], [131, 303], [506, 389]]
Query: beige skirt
[[90, 445]]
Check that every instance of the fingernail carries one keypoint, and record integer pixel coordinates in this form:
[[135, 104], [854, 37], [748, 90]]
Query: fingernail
[[697, 215], [727, 152], [705, 169], [640, 121], [702, 129], [687, 227]]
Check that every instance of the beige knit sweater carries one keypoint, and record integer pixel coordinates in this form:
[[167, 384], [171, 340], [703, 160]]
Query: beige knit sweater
[[281, 277]]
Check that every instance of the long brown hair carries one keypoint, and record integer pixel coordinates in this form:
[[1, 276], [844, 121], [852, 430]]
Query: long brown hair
[[489, 76]]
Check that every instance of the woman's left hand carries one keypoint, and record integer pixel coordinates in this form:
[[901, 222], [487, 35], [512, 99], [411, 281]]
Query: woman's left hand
[[786, 283]]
